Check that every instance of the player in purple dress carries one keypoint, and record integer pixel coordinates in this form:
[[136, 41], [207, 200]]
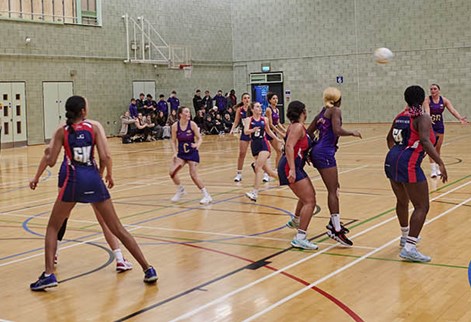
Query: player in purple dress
[[410, 137], [83, 183], [186, 140], [325, 129], [291, 172], [241, 114], [273, 116], [435, 106], [256, 126]]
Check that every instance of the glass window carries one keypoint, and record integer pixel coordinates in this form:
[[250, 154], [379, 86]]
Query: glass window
[[83, 12]]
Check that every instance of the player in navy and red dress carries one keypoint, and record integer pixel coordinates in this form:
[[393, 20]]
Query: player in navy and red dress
[[186, 140], [122, 264], [325, 129], [410, 137], [435, 105], [256, 126], [83, 183], [241, 114], [291, 172]]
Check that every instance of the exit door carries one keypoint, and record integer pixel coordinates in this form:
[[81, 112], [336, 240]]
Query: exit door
[[259, 94], [13, 114]]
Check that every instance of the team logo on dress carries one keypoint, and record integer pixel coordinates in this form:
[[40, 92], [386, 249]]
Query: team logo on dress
[[188, 131], [80, 137]]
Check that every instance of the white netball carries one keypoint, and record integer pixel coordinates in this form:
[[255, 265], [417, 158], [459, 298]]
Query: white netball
[[383, 55]]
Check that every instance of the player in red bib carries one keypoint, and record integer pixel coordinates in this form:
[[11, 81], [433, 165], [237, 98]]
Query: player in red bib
[[291, 172], [83, 183], [410, 137]]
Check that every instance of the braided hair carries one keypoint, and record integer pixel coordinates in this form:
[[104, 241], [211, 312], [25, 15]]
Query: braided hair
[[73, 108], [414, 97]]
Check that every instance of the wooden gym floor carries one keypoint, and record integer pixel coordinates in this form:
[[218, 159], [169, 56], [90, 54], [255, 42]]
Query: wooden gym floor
[[232, 260]]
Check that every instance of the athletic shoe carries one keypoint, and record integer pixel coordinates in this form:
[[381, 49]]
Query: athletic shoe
[[178, 195], [304, 244], [206, 200], [150, 275], [238, 178], [266, 177], [402, 241], [342, 227], [123, 266], [433, 173], [339, 236], [292, 223], [44, 282], [414, 255], [251, 195]]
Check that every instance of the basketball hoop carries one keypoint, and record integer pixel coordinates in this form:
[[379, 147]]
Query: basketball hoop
[[187, 69]]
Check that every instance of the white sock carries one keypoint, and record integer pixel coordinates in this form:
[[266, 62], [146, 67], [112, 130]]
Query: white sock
[[301, 235], [205, 192], [335, 221], [180, 188], [118, 255], [405, 231], [296, 219], [410, 243], [255, 192]]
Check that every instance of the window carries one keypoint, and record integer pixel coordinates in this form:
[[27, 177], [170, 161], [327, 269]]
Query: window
[[82, 12]]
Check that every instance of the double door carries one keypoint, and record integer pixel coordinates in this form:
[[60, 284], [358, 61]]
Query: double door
[[12, 114], [55, 94]]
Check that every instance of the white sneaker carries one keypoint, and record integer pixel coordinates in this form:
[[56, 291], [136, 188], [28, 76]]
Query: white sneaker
[[303, 244], [178, 195], [433, 173], [414, 256], [123, 266], [238, 178], [251, 195], [266, 177], [206, 200]]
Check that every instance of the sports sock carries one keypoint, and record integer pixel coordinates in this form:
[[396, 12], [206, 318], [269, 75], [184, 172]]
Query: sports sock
[[405, 231], [335, 218], [118, 255], [205, 192], [301, 234], [410, 243]]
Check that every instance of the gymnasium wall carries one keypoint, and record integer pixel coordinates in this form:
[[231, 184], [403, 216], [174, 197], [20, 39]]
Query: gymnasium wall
[[313, 41], [97, 55]]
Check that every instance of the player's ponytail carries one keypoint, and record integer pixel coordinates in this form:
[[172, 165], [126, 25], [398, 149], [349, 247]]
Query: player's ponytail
[[74, 106], [331, 96]]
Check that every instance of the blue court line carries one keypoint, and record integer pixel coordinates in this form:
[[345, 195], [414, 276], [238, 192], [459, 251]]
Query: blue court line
[[27, 229]]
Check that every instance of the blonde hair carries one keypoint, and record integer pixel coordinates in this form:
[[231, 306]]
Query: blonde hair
[[331, 95]]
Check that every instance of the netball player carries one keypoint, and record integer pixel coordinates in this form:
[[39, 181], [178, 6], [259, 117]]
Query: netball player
[[410, 137], [435, 105], [325, 129], [291, 172], [256, 126], [122, 264], [83, 184], [273, 116], [241, 114], [185, 150]]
